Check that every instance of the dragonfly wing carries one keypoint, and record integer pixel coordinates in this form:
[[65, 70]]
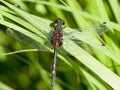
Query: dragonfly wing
[[27, 40], [98, 28], [72, 34], [88, 35]]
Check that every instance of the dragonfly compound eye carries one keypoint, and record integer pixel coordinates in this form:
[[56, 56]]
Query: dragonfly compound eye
[[59, 21]]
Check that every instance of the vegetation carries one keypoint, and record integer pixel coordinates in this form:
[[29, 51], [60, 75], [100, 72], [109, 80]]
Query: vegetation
[[88, 62]]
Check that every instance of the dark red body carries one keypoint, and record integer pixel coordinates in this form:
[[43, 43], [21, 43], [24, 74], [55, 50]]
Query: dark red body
[[56, 41]]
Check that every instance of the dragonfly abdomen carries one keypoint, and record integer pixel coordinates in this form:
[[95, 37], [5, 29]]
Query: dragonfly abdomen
[[56, 41]]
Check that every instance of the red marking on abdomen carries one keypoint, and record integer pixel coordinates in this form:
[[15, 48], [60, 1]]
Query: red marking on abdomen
[[56, 45]]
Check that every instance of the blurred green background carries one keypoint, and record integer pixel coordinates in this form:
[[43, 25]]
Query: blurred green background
[[89, 68]]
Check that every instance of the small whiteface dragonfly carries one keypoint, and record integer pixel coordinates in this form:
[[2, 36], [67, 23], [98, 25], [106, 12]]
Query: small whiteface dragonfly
[[76, 35], [59, 36]]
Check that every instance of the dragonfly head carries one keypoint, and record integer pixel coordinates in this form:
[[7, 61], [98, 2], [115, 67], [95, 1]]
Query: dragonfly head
[[59, 21]]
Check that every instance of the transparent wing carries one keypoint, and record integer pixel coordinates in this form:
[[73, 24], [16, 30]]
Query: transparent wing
[[78, 33], [29, 41], [86, 35]]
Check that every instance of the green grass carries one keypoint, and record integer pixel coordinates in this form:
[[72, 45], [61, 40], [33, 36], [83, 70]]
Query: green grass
[[92, 67]]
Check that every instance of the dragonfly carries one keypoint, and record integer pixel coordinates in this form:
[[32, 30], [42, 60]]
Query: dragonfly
[[56, 41], [59, 38]]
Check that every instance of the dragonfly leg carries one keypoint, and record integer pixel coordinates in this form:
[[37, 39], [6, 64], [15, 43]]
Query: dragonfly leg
[[51, 41], [60, 43], [52, 24]]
